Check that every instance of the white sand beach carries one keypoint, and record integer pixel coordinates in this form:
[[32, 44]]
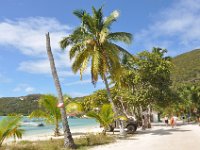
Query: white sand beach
[[76, 132], [184, 137]]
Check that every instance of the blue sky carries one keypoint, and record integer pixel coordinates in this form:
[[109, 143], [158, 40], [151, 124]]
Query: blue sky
[[24, 69]]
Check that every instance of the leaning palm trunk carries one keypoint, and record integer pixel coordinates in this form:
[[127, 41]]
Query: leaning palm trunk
[[109, 95], [122, 132], [68, 140]]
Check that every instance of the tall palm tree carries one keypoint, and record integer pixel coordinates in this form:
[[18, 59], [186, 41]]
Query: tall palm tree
[[68, 140], [49, 111], [94, 41], [9, 127]]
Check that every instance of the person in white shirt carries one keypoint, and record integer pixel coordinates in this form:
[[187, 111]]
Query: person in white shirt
[[166, 121]]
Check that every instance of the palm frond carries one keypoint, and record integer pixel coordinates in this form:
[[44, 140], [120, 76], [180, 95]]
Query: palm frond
[[95, 66], [84, 66], [120, 37], [89, 23], [95, 115], [98, 18], [110, 19], [38, 114], [9, 126], [66, 41], [74, 50], [79, 13], [77, 64], [122, 50]]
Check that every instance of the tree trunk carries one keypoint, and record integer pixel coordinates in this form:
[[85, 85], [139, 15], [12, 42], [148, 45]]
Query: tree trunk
[[143, 118], [124, 110], [122, 132], [68, 140], [57, 132], [149, 116], [109, 95]]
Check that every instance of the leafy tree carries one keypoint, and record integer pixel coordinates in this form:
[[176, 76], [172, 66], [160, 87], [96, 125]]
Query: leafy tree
[[10, 126], [190, 95], [74, 108], [145, 81], [49, 111], [97, 99], [94, 41]]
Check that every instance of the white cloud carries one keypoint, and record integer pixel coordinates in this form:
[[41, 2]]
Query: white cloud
[[177, 26], [28, 35], [24, 88], [40, 66]]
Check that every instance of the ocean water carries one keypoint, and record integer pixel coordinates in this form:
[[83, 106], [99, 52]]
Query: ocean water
[[31, 128]]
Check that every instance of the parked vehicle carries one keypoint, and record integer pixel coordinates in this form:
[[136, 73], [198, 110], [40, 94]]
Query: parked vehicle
[[130, 125]]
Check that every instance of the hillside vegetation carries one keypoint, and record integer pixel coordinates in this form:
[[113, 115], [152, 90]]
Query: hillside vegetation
[[186, 67], [23, 105]]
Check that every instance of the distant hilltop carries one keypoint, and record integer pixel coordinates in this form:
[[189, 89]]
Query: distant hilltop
[[23, 105], [186, 67]]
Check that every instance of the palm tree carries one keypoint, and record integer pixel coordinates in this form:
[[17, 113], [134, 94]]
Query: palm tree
[[9, 127], [94, 41], [68, 140], [49, 111], [105, 117]]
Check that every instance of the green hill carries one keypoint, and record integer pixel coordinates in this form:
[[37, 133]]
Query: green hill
[[186, 67], [23, 105]]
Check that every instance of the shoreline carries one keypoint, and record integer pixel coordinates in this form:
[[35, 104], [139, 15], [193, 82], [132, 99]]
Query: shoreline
[[76, 132]]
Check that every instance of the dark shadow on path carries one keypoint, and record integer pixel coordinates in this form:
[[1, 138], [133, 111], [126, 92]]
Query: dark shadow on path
[[162, 132]]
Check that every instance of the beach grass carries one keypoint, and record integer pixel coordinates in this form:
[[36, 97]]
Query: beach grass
[[83, 143]]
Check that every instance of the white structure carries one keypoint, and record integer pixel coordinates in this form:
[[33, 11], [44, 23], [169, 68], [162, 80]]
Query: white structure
[[155, 116]]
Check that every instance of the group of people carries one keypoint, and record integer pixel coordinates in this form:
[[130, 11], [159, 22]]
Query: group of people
[[171, 121]]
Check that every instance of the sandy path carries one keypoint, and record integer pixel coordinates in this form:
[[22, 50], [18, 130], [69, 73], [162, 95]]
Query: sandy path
[[185, 137]]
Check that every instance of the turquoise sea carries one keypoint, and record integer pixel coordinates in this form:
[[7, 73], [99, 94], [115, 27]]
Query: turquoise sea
[[31, 128]]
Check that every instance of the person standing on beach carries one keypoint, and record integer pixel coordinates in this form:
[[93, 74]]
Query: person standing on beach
[[166, 121], [183, 118], [172, 121], [175, 120]]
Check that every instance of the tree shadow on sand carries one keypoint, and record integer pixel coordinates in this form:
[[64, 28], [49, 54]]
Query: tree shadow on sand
[[162, 132]]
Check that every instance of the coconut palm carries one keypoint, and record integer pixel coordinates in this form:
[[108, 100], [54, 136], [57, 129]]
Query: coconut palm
[[49, 111], [68, 140], [9, 126], [105, 116], [93, 41]]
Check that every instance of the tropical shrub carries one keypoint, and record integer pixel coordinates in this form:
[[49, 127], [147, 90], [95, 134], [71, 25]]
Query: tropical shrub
[[49, 111], [10, 126], [105, 116]]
